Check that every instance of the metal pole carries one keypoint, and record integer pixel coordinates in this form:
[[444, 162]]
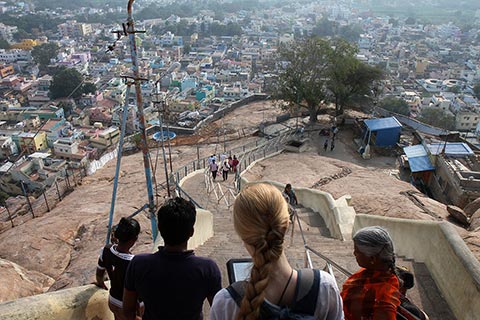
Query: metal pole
[[46, 201], [169, 146], [8, 212], [58, 191], [69, 186], [26, 197], [141, 118], [164, 155], [117, 169], [73, 176]]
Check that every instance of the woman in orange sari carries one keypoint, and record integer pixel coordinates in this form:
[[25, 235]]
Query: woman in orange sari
[[372, 293]]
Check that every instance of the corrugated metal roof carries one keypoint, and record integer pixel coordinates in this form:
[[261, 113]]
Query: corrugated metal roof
[[418, 164], [452, 149], [415, 151], [382, 124]]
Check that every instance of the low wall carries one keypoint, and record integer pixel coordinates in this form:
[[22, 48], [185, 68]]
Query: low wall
[[79, 303], [337, 214], [203, 224], [452, 265], [203, 230]]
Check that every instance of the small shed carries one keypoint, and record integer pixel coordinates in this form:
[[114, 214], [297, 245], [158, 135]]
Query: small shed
[[421, 167], [384, 132]]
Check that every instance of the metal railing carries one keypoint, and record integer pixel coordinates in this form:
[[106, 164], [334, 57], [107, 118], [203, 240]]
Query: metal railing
[[402, 313], [246, 154]]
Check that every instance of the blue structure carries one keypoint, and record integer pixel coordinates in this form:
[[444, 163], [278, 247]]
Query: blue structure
[[164, 135], [451, 149], [383, 132], [418, 158]]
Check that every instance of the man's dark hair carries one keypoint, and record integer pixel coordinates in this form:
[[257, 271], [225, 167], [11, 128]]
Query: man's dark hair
[[126, 230], [176, 219]]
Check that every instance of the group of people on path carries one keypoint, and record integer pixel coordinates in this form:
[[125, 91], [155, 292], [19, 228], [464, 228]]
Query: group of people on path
[[331, 138], [226, 165], [173, 282]]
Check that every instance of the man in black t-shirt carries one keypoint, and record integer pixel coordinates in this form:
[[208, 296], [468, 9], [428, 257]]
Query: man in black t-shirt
[[173, 282]]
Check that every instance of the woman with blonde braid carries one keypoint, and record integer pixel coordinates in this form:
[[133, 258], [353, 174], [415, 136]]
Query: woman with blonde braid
[[275, 289]]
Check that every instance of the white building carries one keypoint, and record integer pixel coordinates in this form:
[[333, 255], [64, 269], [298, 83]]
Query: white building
[[6, 32], [10, 56], [7, 147]]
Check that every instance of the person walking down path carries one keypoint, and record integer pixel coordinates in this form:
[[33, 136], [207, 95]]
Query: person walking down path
[[173, 282], [235, 163], [213, 169], [274, 288], [114, 260], [225, 170], [332, 145], [373, 292], [211, 159], [325, 145]]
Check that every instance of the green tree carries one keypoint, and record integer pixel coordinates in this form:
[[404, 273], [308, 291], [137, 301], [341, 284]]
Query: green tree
[[89, 87], [395, 105], [68, 106], [187, 48], [20, 35], [476, 90], [348, 77], [302, 79], [4, 44], [437, 118], [43, 53], [65, 82]]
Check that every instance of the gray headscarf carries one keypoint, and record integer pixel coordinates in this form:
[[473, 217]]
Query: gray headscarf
[[375, 241]]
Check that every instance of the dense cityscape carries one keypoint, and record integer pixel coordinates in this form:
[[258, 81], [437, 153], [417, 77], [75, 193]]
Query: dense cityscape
[[66, 77]]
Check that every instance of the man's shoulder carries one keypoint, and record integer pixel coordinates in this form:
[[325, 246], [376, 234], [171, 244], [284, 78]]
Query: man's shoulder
[[203, 260], [204, 263], [143, 257]]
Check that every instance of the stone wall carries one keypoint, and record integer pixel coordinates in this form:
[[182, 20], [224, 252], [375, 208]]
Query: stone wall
[[337, 214]]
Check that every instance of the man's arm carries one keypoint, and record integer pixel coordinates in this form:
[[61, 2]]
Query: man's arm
[[100, 277], [129, 304], [210, 299]]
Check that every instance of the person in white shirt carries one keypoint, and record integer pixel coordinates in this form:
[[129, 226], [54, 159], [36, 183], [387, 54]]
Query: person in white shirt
[[261, 219]]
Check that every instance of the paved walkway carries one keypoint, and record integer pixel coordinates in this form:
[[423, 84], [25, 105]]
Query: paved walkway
[[225, 244]]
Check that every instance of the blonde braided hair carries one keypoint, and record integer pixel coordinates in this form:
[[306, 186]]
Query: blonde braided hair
[[260, 218]]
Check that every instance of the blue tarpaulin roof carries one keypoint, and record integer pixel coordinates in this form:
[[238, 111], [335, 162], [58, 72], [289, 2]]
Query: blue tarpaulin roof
[[418, 158], [415, 151], [382, 124], [418, 164], [452, 149]]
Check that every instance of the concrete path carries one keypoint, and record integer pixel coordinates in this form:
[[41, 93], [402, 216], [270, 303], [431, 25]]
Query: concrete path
[[225, 244]]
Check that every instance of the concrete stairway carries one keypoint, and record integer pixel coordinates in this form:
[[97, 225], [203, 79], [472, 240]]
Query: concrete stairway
[[225, 244]]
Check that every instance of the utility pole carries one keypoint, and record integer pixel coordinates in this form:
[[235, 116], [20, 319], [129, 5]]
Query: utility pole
[[130, 30]]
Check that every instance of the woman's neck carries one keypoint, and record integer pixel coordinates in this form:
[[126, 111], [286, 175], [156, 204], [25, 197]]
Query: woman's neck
[[282, 278]]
